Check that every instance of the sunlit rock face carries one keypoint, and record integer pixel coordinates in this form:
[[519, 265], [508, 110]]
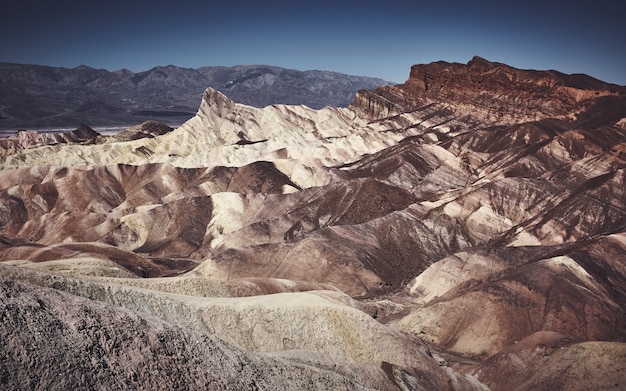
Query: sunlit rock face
[[464, 230], [494, 93]]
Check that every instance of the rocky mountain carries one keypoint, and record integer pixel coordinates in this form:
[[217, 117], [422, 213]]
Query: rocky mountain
[[31, 138], [465, 230], [36, 97]]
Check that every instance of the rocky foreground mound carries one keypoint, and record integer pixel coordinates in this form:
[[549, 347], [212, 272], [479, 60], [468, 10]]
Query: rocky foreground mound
[[463, 231]]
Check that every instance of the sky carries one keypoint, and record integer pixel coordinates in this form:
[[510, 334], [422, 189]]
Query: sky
[[367, 38]]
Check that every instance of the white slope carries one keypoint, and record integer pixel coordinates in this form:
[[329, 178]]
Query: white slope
[[301, 142]]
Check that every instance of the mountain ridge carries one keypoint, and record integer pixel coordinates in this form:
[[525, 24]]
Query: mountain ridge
[[496, 92], [38, 96]]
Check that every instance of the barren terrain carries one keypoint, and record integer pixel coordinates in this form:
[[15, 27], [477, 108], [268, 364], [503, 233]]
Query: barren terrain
[[465, 230]]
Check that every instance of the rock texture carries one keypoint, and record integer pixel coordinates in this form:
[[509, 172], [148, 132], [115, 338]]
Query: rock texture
[[57, 341], [465, 230]]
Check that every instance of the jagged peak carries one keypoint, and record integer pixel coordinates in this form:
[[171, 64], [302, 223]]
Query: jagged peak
[[213, 95], [479, 62], [84, 132], [215, 101]]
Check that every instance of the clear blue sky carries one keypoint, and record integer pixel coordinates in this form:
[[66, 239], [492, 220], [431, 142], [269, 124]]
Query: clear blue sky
[[379, 39]]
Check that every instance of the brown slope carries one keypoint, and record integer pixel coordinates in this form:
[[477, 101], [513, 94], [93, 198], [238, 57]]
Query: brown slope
[[280, 233], [549, 361], [483, 314], [411, 166], [171, 206], [15, 249]]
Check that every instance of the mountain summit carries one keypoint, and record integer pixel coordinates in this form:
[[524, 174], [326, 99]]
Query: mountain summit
[[465, 230]]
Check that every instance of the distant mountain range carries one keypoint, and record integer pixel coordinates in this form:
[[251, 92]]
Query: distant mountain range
[[34, 96]]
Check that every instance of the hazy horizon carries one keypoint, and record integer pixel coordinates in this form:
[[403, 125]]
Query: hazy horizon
[[375, 39]]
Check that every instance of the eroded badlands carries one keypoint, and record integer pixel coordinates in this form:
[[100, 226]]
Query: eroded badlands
[[458, 235]]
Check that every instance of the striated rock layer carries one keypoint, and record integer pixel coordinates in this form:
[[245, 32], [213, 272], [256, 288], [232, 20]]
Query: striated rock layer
[[464, 230], [495, 93]]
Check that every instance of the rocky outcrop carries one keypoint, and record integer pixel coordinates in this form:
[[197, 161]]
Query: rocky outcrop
[[147, 129], [375, 105], [467, 226], [493, 93], [24, 139]]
